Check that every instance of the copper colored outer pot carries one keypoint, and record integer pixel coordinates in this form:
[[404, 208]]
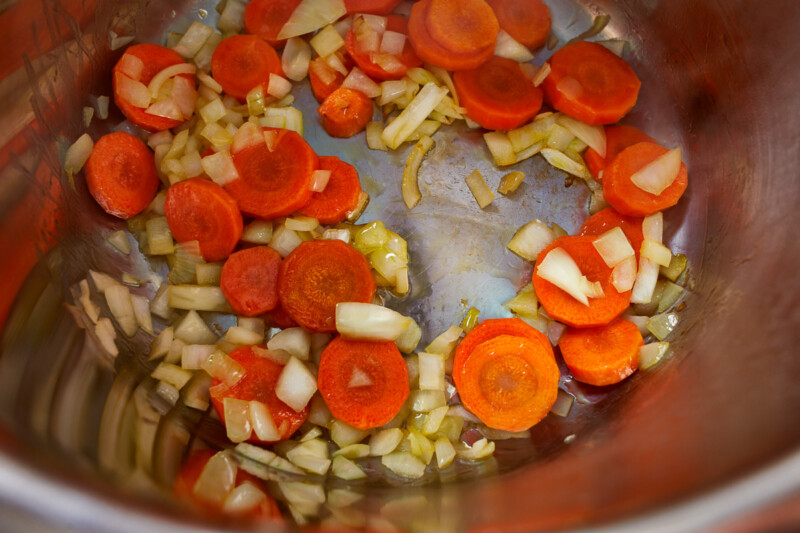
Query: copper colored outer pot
[[709, 440]]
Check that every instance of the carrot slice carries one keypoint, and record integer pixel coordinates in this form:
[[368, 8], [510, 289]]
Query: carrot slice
[[372, 7], [340, 195], [266, 18], [155, 58], [509, 382], [190, 471], [431, 51], [407, 60], [198, 209], [316, 276], [258, 384], [274, 183], [588, 82], [322, 88], [627, 198], [250, 280], [489, 329], [563, 307], [364, 384], [527, 21], [462, 26], [242, 62], [345, 112], [608, 219], [121, 174], [602, 356], [497, 95], [618, 138]]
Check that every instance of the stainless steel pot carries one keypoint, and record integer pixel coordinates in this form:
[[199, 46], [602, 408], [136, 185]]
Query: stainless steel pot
[[703, 442]]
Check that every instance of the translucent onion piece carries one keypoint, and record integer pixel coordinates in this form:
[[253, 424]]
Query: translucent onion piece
[[312, 15], [301, 223], [500, 147], [296, 385], [560, 269], [563, 404], [220, 168], [369, 322], [246, 136], [531, 239], [541, 74], [409, 339], [278, 86], [410, 187], [391, 90], [231, 20], [106, 334], [244, 499], [559, 138], [510, 182], [223, 368], [258, 232], [284, 240], [322, 70], [480, 449], [187, 257], [213, 111], [656, 252], [193, 355], [392, 43], [413, 115], [294, 341], [374, 141], [445, 452], [676, 267], [594, 136], [652, 354], [337, 234], [159, 138], [659, 174], [198, 298], [208, 273], [119, 302], [320, 180], [192, 164], [669, 296], [477, 186], [132, 91], [385, 441], [653, 227], [563, 162], [359, 81], [613, 246], [172, 374], [346, 469], [77, 154], [404, 464], [193, 40], [243, 336], [371, 237], [402, 285], [296, 59], [431, 371], [131, 66], [624, 274], [509, 48], [102, 107], [525, 303], [423, 401], [445, 344], [193, 329], [174, 70], [363, 202], [326, 41], [141, 310], [209, 82], [533, 132], [91, 309], [217, 479], [237, 419], [311, 455], [662, 325], [167, 108]]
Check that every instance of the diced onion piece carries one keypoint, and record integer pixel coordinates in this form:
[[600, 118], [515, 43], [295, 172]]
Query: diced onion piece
[[653, 227], [258, 232], [132, 91], [402, 285], [209, 82], [410, 187], [106, 334], [445, 452], [413, 115], [392, 90], [184, 95], [193, 40], [359, 81], [263, 423], [193, 355], [385, 441], [371, 237], [337, 234], [220, 168], [141, 310], [280, 357], [346, 469], [294, 341], [659, 174], [292, 119], [208, 273], [374, 141], [376, 23], [594, 136], [301, 223], [168, 392], [392, 43], [278, 86], [423, 401], [662, 325], [296, 58], [119, 302], [560, 269], [624, 274], [669, 295], [404, 464], [509, 48], [510, 182], [222, 367], [500, 147], [192, 164], [431, 371], [102, 281], [284, 240], [162, 76], [445, 344], [559, 138], [433, 420], [198, 298], [77, 154], [193, 329], [676, 267], [480, 449], [231, 19], [252, 323], [131, 66], [187, 257], [249, 134], [243, 337], [531, 239], [656, 252], [217, 479], [647, 276], [369, 322], [172, 374], [408, 340], [244, 499], [320, 180], [311, 455], [326, 41], [563, 404], [533, 132], [296, 385], [652, 354], [213, 111], [91, 309], [613, 246], [102, 107], [477, 186], [358, 210], [158, 138], [345, 435], [312, 15], [166, 108], [525, 303], [541, 74], [562, 162]]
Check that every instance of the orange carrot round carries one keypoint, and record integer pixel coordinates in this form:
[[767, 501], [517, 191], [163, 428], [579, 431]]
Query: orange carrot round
[[364, 384], [266, 18], [316, 276], [323, 88], [588, 82], [608, 219], [274, 183], [604, 355], [198, 209], [462, 26], [242, 62], [340, 195], [489, 329], [408, 59], [250, 280], [155, 58], [563, 307], [345, 112], [121, 174], [431, 51], [618, 138], [527, 21], [372, 7], [190, 471], [625, 196], [497, 95], [258, 384], [509, 382]]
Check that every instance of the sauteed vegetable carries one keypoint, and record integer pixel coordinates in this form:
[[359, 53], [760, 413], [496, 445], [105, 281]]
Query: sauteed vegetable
[[317, 376]]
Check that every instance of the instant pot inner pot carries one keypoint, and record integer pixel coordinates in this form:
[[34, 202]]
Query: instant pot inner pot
[[85, 442]]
